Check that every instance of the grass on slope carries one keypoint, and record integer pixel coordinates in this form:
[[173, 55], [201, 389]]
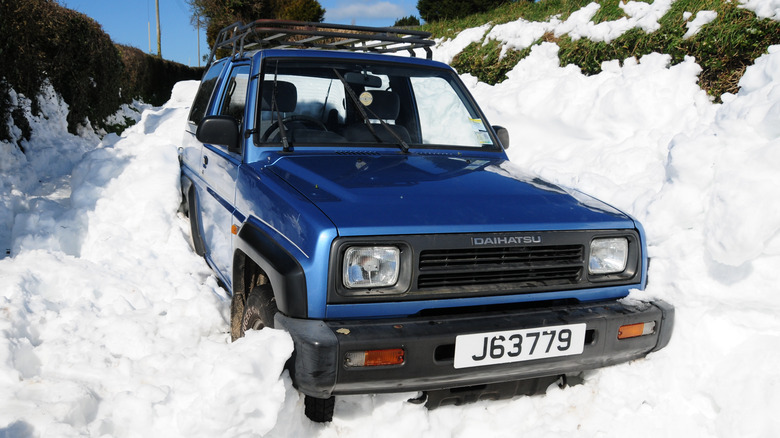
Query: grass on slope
[[723, 48]]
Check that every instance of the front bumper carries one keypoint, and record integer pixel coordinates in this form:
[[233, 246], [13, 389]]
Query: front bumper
[[318, 365]]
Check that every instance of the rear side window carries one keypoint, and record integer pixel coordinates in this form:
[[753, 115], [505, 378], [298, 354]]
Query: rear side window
[[206, 89]]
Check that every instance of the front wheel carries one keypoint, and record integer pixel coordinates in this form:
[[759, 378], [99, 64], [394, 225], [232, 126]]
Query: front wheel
[[319, 410], [255, 313], [258, 311]]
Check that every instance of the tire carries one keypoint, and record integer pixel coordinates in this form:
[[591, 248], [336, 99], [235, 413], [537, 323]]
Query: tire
[[236, 314], [259, 310], [319, 410]]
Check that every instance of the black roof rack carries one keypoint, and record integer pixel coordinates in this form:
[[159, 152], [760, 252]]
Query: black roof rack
[[263, 34]]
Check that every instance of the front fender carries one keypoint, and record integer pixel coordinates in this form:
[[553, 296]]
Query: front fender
[[285, 274]]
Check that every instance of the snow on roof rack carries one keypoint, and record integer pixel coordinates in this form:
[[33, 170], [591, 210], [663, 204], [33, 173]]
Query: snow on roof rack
[[263, 34]]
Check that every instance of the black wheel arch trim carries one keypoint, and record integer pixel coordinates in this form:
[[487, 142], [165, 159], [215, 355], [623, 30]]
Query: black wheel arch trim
[[191, 199], [186, 185], [285, 274]]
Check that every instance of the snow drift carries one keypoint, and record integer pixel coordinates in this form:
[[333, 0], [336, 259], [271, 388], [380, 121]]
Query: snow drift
[[111, 326]]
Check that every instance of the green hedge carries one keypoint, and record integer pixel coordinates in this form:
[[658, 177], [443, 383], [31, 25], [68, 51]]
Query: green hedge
[[40, 39], [150, 77], [45, 40]]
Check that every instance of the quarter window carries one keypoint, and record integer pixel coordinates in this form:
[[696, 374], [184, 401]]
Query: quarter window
[[234, 100]]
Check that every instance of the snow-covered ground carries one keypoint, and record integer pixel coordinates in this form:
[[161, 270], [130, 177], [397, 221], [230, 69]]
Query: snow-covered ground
[[111, 326]]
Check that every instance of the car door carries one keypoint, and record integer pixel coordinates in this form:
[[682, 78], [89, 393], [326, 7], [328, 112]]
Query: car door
[[219, 168]]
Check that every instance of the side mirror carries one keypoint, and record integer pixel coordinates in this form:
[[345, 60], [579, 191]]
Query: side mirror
[[503, 135], [220, 130]]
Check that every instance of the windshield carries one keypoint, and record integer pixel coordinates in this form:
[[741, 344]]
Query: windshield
[[315, 102]]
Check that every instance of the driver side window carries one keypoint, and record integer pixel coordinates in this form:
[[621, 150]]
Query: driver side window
[[234, 100]]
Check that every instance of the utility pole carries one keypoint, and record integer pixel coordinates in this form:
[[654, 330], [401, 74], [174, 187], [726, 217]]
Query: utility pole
[[159, 44], [198, 32]]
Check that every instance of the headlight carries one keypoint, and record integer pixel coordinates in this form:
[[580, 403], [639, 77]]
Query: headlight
[[371, 266], [608, 256]]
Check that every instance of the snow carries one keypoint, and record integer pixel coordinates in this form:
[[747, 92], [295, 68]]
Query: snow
[[521, 34], [112, 326], [446, 52], [702, 18], [763, 8], [131, 112]]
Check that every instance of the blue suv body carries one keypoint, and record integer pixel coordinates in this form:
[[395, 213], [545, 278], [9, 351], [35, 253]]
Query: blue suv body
[[362, 202]]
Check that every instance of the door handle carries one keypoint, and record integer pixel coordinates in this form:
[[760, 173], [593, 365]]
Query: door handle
[[205, 161]]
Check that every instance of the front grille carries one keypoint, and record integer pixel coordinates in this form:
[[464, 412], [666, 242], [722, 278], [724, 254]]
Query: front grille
[[452, 266], [519, 266]]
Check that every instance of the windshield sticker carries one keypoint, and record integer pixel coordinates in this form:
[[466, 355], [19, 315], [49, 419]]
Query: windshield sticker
[[366, 98], [480, 131]]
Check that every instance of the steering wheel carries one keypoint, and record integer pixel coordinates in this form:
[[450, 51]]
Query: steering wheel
[[306, 120]]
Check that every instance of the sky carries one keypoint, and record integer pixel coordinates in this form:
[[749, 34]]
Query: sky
[[133, 22]]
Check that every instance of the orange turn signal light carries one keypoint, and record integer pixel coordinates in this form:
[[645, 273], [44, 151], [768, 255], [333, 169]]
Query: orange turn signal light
[[373, 358], [636, 330]]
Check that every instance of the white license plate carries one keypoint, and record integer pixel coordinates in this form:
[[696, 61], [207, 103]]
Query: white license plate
[[493, 348]]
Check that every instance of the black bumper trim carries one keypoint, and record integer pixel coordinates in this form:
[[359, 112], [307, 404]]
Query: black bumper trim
[[318, 370]]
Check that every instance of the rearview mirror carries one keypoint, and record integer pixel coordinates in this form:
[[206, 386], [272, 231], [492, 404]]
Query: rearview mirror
[[219, 130], [366, 80], [503, 135]]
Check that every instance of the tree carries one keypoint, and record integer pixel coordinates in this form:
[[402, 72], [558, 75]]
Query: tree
[[301, 10], [434, 10], [218, 14], [407, 21]]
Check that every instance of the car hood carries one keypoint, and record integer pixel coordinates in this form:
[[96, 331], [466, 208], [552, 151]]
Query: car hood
[[367, 194]]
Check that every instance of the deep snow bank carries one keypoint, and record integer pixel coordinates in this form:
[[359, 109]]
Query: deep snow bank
[[110, 324], [701, 178]]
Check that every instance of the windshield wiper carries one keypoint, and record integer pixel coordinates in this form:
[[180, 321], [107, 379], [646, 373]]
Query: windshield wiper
[[367, 120], [279, 120]]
